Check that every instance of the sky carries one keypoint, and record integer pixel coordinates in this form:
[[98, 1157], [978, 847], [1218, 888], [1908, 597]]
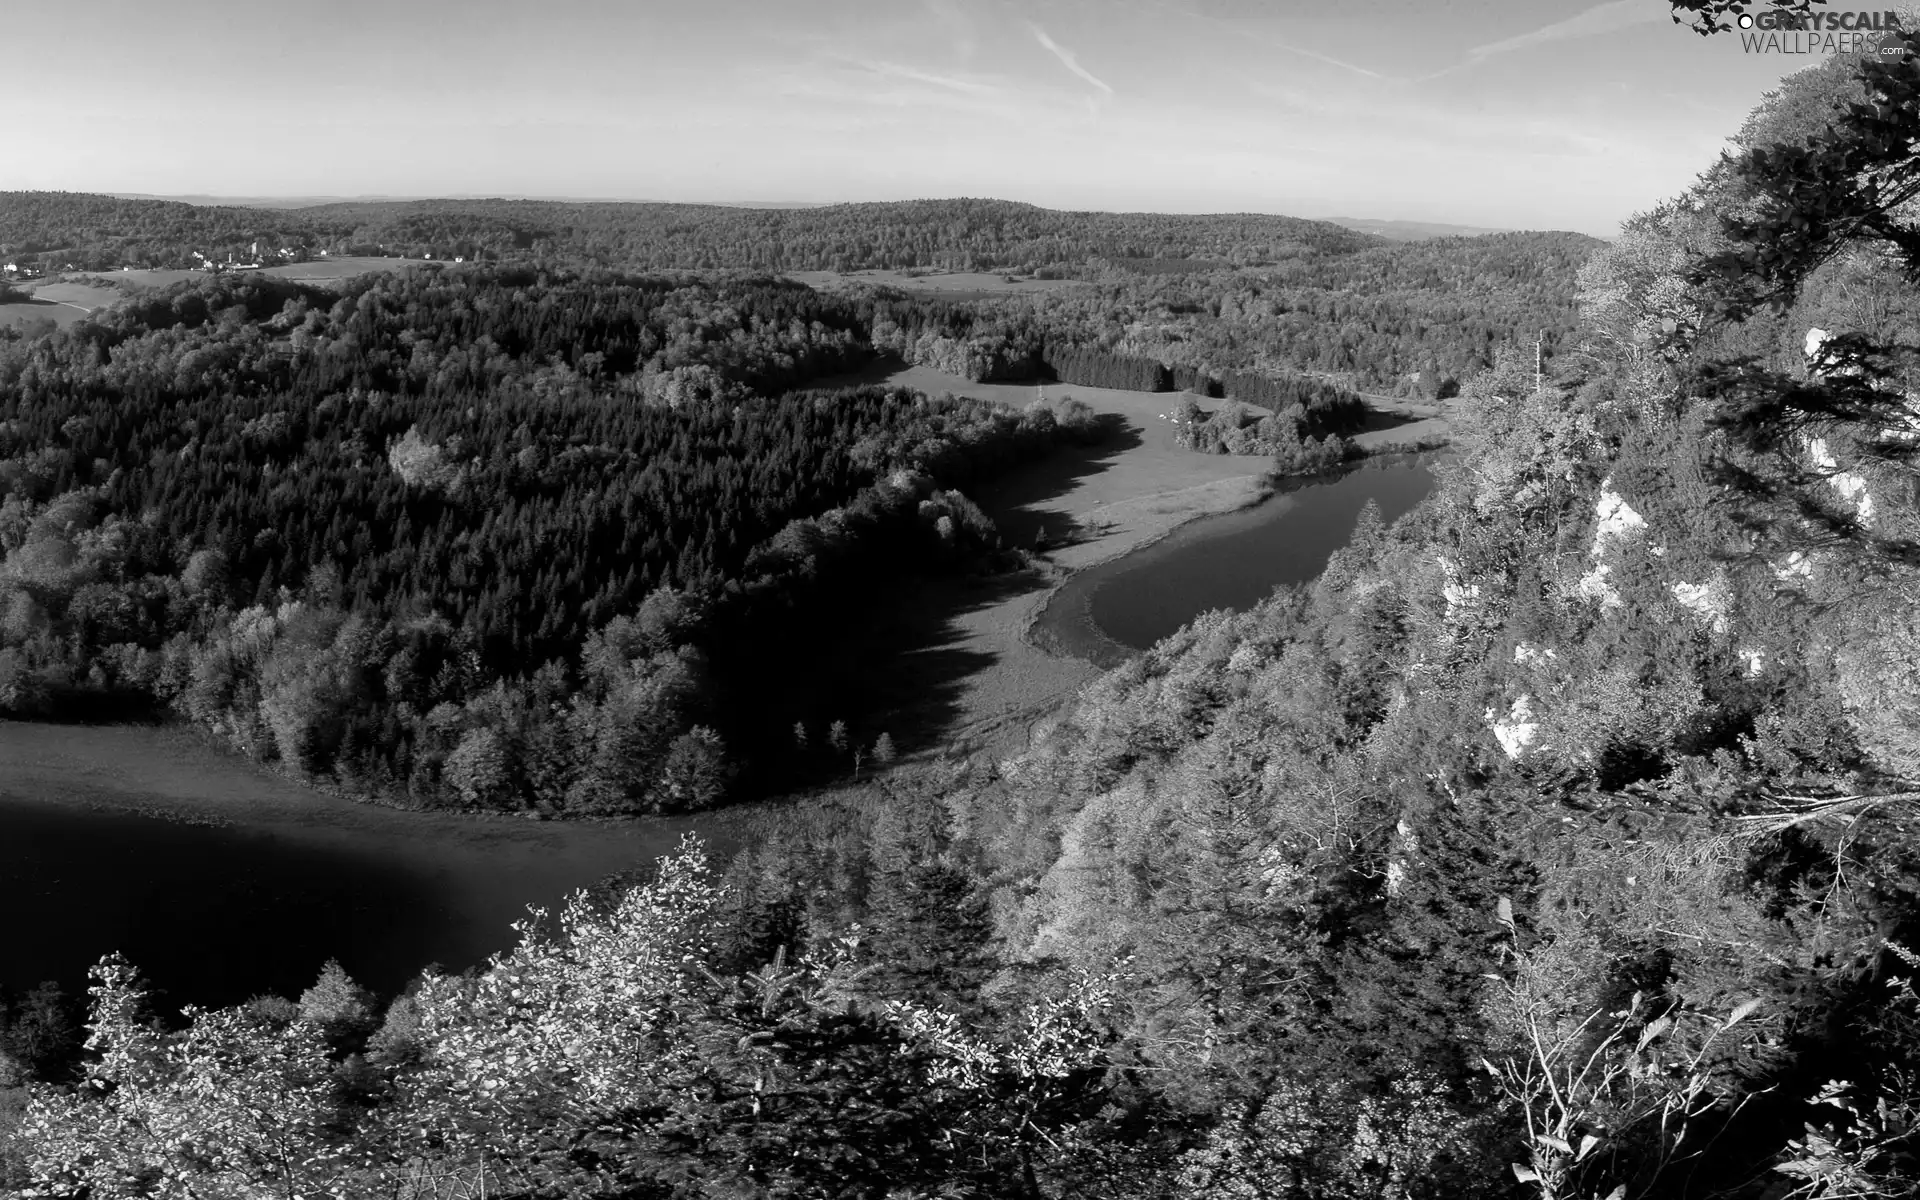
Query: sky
[[1540, 114]]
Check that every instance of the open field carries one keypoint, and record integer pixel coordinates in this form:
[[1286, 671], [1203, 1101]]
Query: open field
[[330, 270], [953, 285], [156, 278], [323, 271], [82, 296], [1404, 425], [28, 312], [63, 303]]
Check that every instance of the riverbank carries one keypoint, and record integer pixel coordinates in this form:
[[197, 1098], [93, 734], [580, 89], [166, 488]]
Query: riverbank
[[1115, 609], [1404, 426], [1093, 507], [1080, 508], [221, 880], [172, 773]]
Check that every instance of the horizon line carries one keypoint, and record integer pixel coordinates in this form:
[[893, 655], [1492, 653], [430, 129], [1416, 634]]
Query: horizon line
[[298, 200]]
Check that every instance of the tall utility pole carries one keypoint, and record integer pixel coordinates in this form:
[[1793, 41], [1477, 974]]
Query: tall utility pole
[[1537, 344]]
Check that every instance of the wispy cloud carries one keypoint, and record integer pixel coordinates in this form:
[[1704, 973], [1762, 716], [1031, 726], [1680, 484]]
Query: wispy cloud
[[1390, 117], [1316, 56], [1602, 18], [1244, 31], [1068, 60], [956, 83]]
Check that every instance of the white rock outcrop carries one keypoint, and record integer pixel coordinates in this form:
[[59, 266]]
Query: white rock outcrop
[[1595, 586], [1516, 733], [1708, 601], [1617, 517], [1460, 596], [1616, 521], [1798, 564], [1849, 484]]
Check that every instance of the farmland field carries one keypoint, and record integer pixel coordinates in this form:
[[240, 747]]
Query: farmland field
[[61, 303], [323, 271], [27, 312], [956, 285], [329, 270]]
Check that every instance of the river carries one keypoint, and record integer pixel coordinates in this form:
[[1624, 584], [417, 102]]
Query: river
[[1110, 611], [221, 882]]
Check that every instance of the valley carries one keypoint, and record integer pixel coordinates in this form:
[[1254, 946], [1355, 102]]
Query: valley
[[1215, 705]]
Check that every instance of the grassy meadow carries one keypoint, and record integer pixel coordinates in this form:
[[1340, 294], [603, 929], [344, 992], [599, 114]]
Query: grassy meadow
[[948, 285]]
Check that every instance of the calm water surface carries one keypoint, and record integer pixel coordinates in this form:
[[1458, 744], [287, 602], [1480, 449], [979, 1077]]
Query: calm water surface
[[1234, 561], [216, 912]]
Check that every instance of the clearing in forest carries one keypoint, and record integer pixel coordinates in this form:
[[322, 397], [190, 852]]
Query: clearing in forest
[[948, 285]]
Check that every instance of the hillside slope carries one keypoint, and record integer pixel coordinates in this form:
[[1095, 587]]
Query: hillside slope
[[1603, 760], [103, 232]]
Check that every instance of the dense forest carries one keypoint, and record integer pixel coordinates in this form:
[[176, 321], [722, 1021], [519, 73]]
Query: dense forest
[[482, 538], [1414, 319], [1557, 842], [1271, 295]]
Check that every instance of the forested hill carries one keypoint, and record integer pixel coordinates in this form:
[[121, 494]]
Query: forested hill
[[1204, 295], [546, 518], [1411, 316], [104, 232]]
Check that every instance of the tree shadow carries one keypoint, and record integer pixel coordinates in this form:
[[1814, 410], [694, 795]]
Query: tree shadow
[[892, 659], [1018, 500], [896, 656], [101, 706], [1379, 419]]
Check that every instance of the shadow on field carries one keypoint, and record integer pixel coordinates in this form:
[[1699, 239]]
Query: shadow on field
[[896, 657], [893, 660], [1018, 501], [87, 706], [1384, 415]]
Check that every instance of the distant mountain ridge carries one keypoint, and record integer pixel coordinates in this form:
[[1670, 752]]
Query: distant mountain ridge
[[1412, 231], [95, 231], [204, 200]]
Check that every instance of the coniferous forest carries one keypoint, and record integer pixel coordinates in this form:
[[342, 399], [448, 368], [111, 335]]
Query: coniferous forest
[[1557, 842], [420, 540]]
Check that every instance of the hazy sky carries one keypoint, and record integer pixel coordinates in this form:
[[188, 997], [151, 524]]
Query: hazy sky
[[1530, 113]]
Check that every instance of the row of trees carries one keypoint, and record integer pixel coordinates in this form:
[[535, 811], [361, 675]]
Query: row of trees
[[1234, 428]]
